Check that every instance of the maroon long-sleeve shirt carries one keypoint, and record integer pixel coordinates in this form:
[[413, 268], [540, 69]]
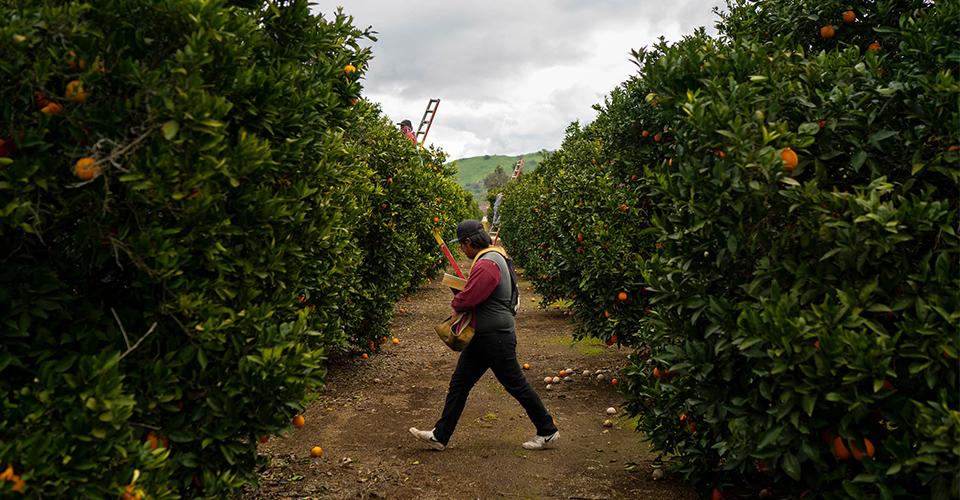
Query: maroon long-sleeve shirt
[[483, 280]]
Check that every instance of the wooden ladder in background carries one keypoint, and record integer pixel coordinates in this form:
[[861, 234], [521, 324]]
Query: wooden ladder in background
[[427, 120], [495, 228]]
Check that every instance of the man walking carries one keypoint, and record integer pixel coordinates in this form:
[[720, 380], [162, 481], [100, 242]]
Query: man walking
[[488, 294]]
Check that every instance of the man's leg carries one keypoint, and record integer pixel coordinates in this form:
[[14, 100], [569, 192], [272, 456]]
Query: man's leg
[[470, 367], [508, 372]]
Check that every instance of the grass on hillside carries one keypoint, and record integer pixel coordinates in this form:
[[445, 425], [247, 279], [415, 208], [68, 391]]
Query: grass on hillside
[[471, 171]]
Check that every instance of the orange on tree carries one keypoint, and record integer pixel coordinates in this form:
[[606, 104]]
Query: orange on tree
[[526, 366], [75, 92], [873, 47], [316, 452], [86, 169], [839, 449], [364, 356], [622, 296], [858, 454], [436, 220], [656, 373], [657, 137], [790, 159], [579, 237], [849, 16], [52, 108], [645, 133], [349, 69], [299, 421], [827, 32], [395, 341], [152, 440], [614, 381]]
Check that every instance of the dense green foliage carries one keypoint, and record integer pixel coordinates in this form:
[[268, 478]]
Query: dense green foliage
[[779, 314], [160, 316]]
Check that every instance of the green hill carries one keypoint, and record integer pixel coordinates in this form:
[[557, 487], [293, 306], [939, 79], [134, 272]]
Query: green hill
[[471, 171]]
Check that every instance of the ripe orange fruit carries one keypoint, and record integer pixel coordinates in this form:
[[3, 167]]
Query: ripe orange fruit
[[316, 452], [657, 374], [873, 47], [614, 381], [841, 451], [827, 32], [624, 207], [436, 220], [683, 417], [606, 313], [858, 454], [299, 421], [75, 91], [849, 16], [152, 440], [645, 133], [86, 169], [656, 137], [622, 296], [526, 366], [364, 356], [349, 69], [579, 237], [395, 341], [721, 153], [52, 108], [789, 158]]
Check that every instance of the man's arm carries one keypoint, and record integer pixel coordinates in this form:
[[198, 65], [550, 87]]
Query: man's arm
[[483, 280]]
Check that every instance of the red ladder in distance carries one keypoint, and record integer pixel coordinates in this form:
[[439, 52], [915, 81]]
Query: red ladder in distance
[[427, 120]]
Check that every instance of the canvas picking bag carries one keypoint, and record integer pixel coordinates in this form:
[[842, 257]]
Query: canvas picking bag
[[456, 331]]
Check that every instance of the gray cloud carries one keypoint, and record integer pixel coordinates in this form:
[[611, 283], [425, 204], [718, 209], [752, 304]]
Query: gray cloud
[[511, 76]]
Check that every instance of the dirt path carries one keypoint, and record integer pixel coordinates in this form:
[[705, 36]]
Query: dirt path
[[361, 418]]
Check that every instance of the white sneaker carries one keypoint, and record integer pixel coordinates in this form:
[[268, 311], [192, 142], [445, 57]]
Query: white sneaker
[[542, 442], [427, 436]]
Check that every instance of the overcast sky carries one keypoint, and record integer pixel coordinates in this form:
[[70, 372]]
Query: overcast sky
[[510, 75]]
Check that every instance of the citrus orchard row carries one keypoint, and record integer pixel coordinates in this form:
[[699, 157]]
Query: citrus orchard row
[[768, 220], [194, 217]]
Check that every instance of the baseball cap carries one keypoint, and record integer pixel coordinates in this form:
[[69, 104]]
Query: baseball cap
[[468, 228]]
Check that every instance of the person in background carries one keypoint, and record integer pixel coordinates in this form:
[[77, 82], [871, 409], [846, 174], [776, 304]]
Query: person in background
[[488, 293], [407, 128]]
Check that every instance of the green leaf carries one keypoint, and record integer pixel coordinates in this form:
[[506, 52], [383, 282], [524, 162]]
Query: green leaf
[[202, 359], [808, 128], [809, 400], [170, 129], [770, 436], [791, 466]]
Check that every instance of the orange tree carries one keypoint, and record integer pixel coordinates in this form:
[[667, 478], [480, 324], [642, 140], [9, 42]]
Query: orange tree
[[800, 195], [183, 222]]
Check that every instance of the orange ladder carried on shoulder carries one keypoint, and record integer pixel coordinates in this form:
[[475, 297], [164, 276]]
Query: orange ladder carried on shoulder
[[427, 120]]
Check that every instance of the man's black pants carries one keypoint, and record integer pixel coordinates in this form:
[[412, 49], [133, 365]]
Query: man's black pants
[[496, 351]]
